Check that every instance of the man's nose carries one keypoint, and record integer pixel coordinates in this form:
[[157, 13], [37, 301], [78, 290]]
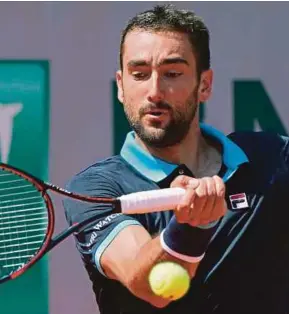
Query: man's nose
[[156, 90]]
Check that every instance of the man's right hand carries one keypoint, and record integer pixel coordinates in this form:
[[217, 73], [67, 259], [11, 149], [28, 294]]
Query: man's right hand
[[204, 200]]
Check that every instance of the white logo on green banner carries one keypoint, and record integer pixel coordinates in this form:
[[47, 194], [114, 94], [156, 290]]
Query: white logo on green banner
[[7, 114], [24, 120]]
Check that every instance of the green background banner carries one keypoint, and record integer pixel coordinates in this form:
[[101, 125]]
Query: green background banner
[[24, 136]]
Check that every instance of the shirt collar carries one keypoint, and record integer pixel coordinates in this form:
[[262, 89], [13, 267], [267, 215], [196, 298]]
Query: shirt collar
[[156, 169]]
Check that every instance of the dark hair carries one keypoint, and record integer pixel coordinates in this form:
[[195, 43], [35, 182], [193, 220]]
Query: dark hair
[[168, 18]]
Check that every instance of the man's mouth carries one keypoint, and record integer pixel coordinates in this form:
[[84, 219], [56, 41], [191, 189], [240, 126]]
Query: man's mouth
[[156, 112]]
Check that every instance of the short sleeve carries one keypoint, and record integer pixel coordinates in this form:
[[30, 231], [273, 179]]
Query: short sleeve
[[92, 241]]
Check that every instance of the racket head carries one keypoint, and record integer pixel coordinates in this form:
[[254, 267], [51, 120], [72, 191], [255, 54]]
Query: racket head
[[26, 221]]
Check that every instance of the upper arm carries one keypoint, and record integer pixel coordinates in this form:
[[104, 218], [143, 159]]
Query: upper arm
[[93, 240]]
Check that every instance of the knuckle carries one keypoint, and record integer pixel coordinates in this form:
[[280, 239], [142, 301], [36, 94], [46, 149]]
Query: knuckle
[[180, 180], [217, 178], [211, 193], [201, 193], [182, 207], [180, 217], [220, 188], [194, 222], [184, 179]]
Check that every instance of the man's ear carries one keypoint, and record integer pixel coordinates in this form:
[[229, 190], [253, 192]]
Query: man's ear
[[118, 77], [205, 88]]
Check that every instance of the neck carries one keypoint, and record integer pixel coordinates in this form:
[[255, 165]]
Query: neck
[[201, 155]]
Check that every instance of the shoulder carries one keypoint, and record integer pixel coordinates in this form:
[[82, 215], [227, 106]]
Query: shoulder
[[100, 175], [265, 145], [99, 179]]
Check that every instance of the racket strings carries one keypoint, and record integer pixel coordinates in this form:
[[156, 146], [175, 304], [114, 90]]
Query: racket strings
[[23, 221]]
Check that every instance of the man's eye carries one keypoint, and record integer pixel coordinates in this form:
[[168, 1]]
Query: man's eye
[[173, 74], [139, 75]]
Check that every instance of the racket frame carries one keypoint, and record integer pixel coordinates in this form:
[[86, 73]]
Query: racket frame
[[50, 242]]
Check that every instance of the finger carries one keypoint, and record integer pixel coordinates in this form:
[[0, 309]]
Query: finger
[[184, 182], [220, 186], [199, 202], [193, 183], [207, 210], [182, 212], [220, 207]]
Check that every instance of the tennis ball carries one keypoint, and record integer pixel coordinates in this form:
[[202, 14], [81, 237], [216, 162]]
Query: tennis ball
[[169, 280]]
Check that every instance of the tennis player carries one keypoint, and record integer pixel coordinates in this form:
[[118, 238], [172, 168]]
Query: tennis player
[[230, 231]]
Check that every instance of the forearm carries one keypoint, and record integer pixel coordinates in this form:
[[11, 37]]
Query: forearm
[[131, 256], [150, 254], [180, 243]]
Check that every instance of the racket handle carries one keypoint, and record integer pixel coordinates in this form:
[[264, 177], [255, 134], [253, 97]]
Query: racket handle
[[151, 201]]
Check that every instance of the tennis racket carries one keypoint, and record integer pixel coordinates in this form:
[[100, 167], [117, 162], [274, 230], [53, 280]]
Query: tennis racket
[[27, 216]]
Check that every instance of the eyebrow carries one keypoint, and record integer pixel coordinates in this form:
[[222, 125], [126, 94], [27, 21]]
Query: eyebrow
[[176, 60]]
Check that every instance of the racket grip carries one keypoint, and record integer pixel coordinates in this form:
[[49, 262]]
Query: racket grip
[[151, 201]]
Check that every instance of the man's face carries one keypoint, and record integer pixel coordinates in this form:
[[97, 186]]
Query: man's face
[[159, 86]]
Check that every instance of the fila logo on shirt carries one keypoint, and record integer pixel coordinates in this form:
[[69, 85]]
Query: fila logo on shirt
[[239, 201]]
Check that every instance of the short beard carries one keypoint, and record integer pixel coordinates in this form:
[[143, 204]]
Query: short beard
[[174, 132]]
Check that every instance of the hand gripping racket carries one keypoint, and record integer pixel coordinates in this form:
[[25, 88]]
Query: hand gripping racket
[[27, 216]]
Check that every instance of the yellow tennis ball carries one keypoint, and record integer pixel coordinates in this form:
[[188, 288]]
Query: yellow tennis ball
[[169, 280]]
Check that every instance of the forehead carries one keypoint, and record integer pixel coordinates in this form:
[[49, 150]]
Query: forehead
[[155, 46]]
